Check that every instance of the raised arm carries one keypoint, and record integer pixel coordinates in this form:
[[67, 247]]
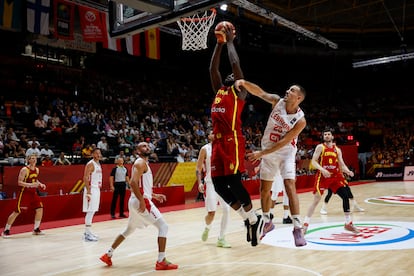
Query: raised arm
[[215, 76]]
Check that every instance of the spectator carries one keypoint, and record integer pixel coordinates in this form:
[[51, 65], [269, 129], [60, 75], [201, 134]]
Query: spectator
[[33, 150], [47, 162], [103, 146], [46, 151], [62, 160]]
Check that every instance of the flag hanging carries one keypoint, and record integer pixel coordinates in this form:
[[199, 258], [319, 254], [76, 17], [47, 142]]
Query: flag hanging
[[92, 24], [152, 43], [10, 15], [133, 45], [64, 19], [109, 42], [38, 16]]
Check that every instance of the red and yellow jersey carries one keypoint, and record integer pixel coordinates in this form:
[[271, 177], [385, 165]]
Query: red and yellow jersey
[[329, 159], [226, 112]]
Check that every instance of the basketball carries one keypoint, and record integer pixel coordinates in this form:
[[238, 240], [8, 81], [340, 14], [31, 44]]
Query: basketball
[[220, 32]]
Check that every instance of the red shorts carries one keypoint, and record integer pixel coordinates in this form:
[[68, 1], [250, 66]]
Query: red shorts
[[333, 183], [227, 156], [28, 199]]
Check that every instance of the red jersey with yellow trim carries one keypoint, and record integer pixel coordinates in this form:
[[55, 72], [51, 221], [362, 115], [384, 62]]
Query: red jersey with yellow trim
[[329, 161], [226, 112], [228, 147], [28, 197], [31, 177]]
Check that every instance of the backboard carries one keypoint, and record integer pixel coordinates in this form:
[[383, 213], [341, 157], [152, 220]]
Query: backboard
[[128, 17]]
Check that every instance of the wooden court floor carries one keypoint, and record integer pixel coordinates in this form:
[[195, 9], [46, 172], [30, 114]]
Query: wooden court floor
[[63, 252]]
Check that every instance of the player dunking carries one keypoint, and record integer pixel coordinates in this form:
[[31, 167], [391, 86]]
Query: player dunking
[[227, 159]]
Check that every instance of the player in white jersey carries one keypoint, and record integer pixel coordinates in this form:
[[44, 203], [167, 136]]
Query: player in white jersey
[[211, 197], [286, 121], [142, 211], [92, 178]]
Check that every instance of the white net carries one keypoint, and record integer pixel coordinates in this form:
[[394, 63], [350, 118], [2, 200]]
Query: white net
[[195, 29]]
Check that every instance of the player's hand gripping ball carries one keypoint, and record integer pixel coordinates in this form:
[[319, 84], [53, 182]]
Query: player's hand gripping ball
[[220, 31]]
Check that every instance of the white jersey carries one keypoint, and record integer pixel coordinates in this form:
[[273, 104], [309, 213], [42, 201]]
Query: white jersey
[[146, 180], [278, 124], [96, 175], [207, 162]]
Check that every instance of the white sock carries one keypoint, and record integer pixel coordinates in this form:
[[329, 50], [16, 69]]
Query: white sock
[[242, 213], [348, 217], [161, 256], [36, 224]]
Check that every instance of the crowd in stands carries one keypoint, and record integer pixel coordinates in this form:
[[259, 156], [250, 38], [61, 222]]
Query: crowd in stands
[[115, 114]]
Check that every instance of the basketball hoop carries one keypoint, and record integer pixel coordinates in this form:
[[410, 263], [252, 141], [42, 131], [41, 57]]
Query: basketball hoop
[[195, 28]]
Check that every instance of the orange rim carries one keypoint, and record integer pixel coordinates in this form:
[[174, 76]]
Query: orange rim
[[197, 19]]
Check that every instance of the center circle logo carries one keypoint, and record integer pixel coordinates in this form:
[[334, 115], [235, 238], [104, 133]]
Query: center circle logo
[[374, 235]]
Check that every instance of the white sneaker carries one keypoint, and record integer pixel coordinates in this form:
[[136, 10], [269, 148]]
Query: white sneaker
[[323, 211], [358, 209], [89, 237]]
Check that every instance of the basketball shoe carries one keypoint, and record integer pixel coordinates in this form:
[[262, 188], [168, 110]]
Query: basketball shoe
[[249, 230], [106, 259], [299, 238], [6, 234], [37, 232], [165, 265], [287, 220], [351, 227], [223, 243], [204, 236], [89, 237], [323, 211], [268, 226], [257, 230], [357, 208]]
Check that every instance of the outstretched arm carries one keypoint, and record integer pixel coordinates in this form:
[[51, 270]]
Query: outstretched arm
[[256, 90], [290, 135]]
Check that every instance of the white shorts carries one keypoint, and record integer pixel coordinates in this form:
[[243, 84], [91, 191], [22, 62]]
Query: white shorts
[[277, 187], [141, 220], [211, 197], [93, 204], [275, 163]]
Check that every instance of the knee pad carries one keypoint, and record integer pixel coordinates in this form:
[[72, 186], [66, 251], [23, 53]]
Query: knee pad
[[162, 228]]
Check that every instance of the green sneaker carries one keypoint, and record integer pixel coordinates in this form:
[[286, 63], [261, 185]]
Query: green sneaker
[[223, 243], [204, 236]]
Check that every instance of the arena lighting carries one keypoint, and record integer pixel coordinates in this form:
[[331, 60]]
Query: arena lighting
[[284, 22], [383, 60], [223, 7]]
